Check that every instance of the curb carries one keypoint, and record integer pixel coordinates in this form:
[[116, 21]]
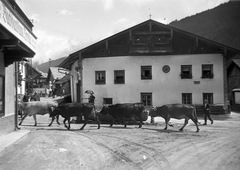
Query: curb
[[11, 138]]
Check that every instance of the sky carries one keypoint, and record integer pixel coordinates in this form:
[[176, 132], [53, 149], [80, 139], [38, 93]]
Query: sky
[[65, 26]]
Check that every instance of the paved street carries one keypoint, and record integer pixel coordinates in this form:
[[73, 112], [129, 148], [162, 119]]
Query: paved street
[[51, 148], [215, 146]]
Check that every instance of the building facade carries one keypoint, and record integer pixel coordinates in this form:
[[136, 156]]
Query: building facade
[[17, 42], [155, 80], [151, 63]]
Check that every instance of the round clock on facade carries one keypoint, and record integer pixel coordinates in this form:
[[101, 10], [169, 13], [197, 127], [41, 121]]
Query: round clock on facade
[[166, 69]]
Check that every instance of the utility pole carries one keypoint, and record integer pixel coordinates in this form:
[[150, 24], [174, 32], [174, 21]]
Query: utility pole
[[16, 97], [50, 62]]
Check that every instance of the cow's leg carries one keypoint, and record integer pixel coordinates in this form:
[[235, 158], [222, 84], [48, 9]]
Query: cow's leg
[[25, 115], [68, 123], [113, 120], [64, 121], [166, 122], [57, 119], [85, 122], [185, 123], [35, 119], [52, 121], [196, 123], [98, 122], [124, 122], [140, 124]]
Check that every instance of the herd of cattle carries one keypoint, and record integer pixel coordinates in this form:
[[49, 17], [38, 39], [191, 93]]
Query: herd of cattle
[[118, 112]]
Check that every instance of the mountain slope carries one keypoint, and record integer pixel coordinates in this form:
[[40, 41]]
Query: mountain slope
[[220, 24]]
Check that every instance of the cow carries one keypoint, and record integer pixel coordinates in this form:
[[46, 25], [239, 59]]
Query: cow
[[37, 108], [124, 111], [177, 111], [69, 110]]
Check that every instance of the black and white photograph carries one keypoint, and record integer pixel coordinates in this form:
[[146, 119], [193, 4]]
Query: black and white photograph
[[119, 85]]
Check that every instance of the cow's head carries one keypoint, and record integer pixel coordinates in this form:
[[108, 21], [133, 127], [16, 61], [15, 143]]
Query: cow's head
[[55, 112], [53, 103], [21, 106]]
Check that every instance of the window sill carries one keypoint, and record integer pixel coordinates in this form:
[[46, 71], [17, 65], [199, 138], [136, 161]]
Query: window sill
[[142, 78], [185, 78], [119, 83], [100, 83], [207, 77]]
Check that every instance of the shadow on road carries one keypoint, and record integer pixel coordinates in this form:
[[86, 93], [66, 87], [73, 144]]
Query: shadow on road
[[164, 131]]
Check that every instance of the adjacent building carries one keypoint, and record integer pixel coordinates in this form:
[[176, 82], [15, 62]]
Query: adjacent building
[[151, 63], [55, 74], [63, 86], [234, 84], [17, 42]]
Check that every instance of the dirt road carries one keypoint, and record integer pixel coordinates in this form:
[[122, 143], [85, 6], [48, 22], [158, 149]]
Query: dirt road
[[216, 146]]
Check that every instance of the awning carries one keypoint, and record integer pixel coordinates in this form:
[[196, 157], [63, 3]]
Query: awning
[[17, 40], [236, 90]]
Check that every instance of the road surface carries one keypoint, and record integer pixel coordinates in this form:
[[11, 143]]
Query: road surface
[[216, 146]]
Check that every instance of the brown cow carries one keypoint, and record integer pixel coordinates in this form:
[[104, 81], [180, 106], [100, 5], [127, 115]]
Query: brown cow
[[177, 111], [37, 108], [124, 111], [69, 110]]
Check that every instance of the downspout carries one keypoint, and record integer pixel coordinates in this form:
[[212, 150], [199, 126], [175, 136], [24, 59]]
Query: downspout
[[16, 98], [72, 88], [80, 76], [225, 82]]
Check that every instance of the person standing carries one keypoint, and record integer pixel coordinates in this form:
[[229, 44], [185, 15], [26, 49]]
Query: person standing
[[25, 98], [206, 112], [91, 99]]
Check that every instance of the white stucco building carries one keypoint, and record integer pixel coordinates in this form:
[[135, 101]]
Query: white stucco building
[[162, 88], [151, 63]]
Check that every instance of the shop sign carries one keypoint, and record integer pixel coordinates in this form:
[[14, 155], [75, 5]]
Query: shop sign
[[13, 25]]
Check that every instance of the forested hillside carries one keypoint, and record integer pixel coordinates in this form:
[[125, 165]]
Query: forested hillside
[[220, 24]]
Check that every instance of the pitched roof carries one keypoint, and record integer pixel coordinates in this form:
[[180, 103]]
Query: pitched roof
[[55, 73], [68, 62], [44, 67], [35, 73], [42, 73], [65, 79], [237, 62]]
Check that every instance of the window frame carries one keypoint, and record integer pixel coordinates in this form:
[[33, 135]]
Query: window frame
[[186, 75], [100, 82], [147, 103], [186, 97], [207, 75], [115, 77], [106, 99], [209, 97], [143, 71]]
